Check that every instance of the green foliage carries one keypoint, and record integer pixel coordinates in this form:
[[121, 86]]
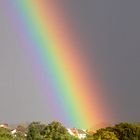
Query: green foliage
[[34, 131], [21, 132], [21, 128], [20, 136], [126, 131], [55, 131], [5, 134], [123, 131], [102, 134]]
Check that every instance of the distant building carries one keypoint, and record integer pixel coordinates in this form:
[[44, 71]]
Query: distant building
[[5, 125], [13, 132], [81, 134], [77, 132]]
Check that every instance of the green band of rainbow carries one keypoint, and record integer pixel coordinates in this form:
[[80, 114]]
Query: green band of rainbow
[[65, 76]]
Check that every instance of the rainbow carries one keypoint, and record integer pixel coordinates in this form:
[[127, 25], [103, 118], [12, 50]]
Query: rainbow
[[49, 43]]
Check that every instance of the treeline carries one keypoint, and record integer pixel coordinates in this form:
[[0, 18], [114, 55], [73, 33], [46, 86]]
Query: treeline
[[122, 131], [56, 131], [37, 131]]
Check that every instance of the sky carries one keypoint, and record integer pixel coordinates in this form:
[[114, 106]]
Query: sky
[[111, 33]]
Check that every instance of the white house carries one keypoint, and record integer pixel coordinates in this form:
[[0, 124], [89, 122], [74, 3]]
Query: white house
[[77, 132]]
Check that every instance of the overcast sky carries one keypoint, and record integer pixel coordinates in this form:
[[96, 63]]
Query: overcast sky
[[111, 32]]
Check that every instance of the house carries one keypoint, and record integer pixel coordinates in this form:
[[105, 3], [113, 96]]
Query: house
[[81, 134], [77, 132], [5, 125], [14, 131]]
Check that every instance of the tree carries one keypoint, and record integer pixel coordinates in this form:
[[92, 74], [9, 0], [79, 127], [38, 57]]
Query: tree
[[5, 134], [34, 131], [104, 135], [21, 132], [22, 128], [126, 131], [56, 131]]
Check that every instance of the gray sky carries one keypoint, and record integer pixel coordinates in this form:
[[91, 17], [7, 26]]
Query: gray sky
[[111, 32]]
